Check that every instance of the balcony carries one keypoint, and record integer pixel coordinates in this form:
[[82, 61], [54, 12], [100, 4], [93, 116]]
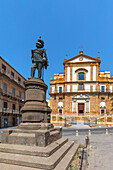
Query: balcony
[[9, 94], [80, 91], [9, 111]]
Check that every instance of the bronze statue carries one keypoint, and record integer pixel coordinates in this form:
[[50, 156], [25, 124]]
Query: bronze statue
[[39, 59]]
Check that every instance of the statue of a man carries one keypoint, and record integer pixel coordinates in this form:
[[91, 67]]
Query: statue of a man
[[39, 58]]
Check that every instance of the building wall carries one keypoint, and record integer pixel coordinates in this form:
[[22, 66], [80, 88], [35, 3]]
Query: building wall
[[10, 116], [93, 81]]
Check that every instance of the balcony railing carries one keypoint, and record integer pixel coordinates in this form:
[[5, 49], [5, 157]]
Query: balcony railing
[[7, 110], [12, 95], [79, 90]]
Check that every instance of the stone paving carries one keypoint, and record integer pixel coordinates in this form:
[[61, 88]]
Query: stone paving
[[100, 151]]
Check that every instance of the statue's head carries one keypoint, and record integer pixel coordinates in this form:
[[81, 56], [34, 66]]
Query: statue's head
[[40, 43]]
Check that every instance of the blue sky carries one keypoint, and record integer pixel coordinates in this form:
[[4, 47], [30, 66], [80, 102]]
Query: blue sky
[[64, 25]]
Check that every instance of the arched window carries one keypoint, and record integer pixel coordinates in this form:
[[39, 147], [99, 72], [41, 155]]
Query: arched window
[[81, 76]]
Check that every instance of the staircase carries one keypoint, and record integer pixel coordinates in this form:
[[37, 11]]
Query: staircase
[[57, 155]]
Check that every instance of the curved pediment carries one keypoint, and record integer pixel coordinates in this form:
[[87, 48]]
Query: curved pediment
[[81, 69]]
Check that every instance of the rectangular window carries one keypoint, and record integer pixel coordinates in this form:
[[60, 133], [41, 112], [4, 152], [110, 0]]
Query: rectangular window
[[102, 98], [3, 67], [20, 108], [81, 86], [12, 74], [60, 89], [4, 88], [20, 94], [13, 106], [19, 79], [60, 98], [13, 91], [81, 76], [102, 88], [5, 105]]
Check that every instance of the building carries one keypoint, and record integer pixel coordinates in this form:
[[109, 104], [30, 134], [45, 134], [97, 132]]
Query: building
[[82, 89], [11, 95], [48, 102]]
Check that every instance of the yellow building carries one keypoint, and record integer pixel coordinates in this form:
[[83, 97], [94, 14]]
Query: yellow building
[[82, 89], [11, 94]]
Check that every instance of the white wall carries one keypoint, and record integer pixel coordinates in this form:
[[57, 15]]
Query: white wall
[[74, 75], [68, 88], [110, 88], [68, 73], [84, 60], [53, 89], [94, 87], [87, 87], [94, 73], [74, 88], [60, 104], [102, 104]]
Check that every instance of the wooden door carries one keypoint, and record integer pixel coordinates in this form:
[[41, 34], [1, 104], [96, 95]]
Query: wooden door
[[102, 111], [81, 108]]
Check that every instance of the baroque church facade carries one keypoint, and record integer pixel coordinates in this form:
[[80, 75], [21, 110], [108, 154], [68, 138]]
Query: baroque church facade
[[82, 88]]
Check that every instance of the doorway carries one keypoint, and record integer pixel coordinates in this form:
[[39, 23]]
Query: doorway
[[81, 108], [102, 111], [13, 121]]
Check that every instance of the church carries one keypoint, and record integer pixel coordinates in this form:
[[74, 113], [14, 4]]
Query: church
[[82, 89]]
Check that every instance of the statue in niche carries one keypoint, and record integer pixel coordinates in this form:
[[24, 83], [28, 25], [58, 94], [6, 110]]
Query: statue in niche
[[39, 59]]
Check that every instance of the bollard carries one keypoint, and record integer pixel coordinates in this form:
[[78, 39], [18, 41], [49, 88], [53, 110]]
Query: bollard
[[76, 132], [106, 131], [89, 133]]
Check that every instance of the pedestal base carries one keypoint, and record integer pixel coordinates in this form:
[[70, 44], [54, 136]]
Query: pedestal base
[[32, 134], [56, 156]]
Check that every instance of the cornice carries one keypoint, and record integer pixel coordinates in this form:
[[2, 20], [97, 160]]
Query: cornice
[[98, 93], [12, 67], [81, 81], [4, 75]]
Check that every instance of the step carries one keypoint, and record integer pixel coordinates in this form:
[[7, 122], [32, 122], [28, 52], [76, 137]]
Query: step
[[66, 161], [4, 166], [55, 132], [35, 161], [33, 150]]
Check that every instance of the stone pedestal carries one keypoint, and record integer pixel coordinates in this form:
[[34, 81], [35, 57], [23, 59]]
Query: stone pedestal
[[35, 143], [35, 108]]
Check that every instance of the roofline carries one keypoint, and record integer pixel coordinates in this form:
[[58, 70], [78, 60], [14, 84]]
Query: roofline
[[12, 67], [81, 54], [105, 71]]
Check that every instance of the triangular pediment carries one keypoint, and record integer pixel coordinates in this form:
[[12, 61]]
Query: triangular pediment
[[82, 58]]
